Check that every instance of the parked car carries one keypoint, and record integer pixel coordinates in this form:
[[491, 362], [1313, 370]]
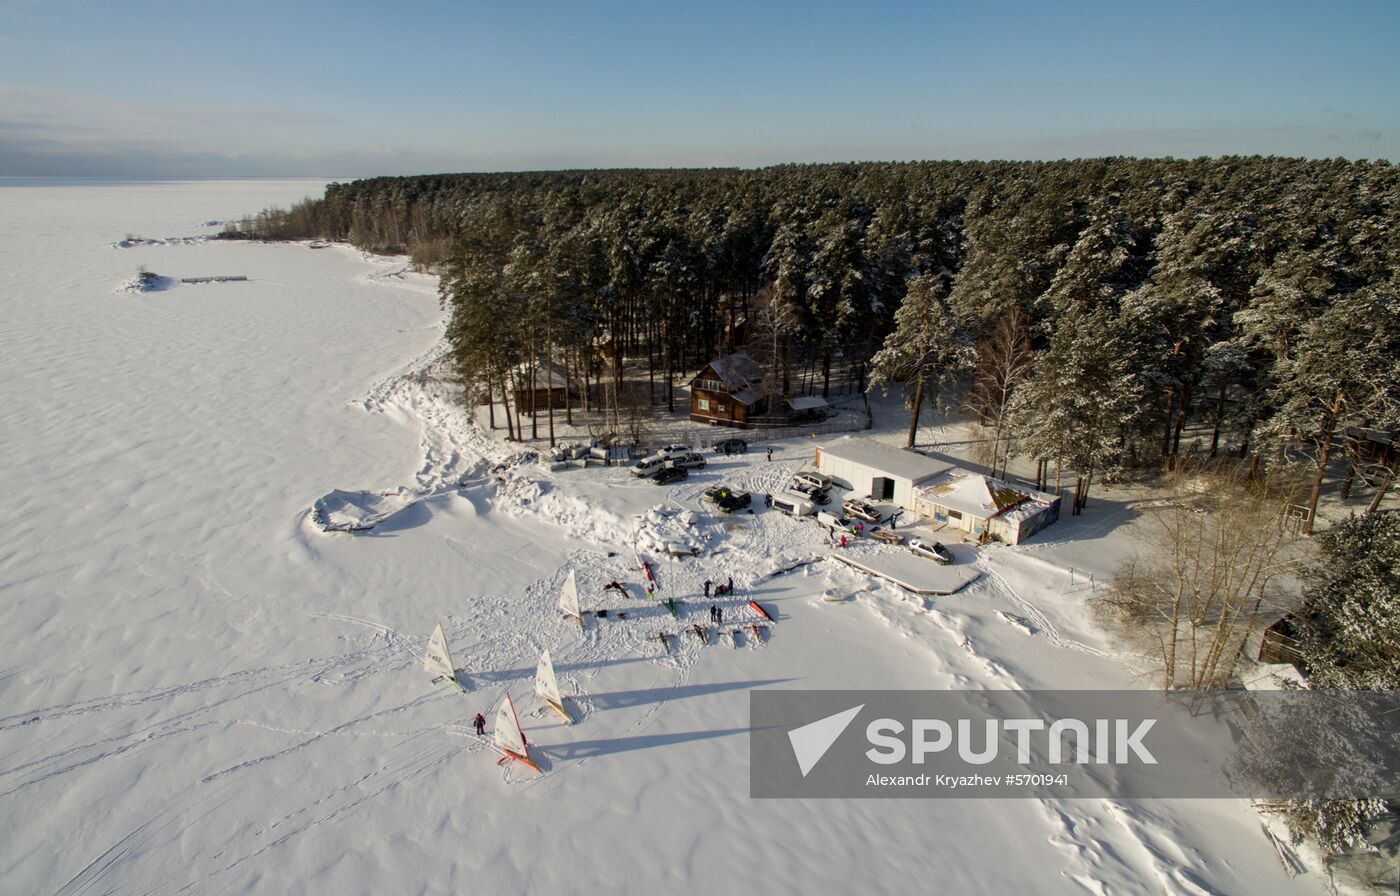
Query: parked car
[[689, 460], [717, 493], [833, 521], [814, 494], [667, 475], [812, 479], [731, 446], [731, 503], [931, 549], [860, 510], [675, 449], [648, 466]]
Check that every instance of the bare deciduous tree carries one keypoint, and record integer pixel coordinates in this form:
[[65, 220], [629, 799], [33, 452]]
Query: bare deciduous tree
[[1221, 559]]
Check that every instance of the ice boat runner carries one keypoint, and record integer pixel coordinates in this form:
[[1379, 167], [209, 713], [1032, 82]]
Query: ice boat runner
[[568, 599], [438, 660], [547, 687], [510, 740]]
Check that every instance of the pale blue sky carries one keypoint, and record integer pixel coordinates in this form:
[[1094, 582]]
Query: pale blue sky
[[350, 89]]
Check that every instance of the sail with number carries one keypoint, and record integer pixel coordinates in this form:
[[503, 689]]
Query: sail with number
[[437, 659], [547, 686], [568, 598], [509, 738]]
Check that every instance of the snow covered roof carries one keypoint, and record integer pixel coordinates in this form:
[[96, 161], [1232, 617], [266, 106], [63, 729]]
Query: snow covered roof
[[984, 497], [807, 403], [546, 376], [737, 371], [1273, 677], [899, 463]]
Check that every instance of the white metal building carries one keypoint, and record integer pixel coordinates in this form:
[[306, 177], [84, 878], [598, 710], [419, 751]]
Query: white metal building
[[875, 470]]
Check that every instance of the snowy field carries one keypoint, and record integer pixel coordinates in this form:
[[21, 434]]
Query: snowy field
[[201, 692]]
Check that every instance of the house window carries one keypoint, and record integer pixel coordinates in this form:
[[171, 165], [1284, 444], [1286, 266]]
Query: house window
[[719, 409], [702, 404], [955, 514], [711, 385]]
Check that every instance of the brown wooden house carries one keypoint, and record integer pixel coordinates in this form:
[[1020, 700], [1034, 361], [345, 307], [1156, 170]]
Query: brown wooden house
[[728, 391], [550, 386]]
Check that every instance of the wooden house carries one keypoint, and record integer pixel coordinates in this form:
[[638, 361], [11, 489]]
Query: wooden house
[[728, 391], [550, 386]]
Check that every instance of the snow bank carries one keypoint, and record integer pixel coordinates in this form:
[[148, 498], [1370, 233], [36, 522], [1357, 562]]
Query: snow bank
[[145, 281], [347, 511], [669, 531]]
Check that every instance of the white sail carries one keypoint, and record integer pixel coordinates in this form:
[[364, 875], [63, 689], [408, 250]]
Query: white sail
[[568, 598], [437, 659], [509, 737], [546, 685]]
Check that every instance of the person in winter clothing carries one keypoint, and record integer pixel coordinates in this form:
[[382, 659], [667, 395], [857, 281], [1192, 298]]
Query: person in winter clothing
[[843, 540], [708, 586], [767, 500], [729, 589], [770, 455], [714, 613], [719, 615], [479, 723]]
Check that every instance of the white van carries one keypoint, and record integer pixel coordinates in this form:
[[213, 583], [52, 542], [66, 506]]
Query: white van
[[648, 466], [793, 505], [833, 521]]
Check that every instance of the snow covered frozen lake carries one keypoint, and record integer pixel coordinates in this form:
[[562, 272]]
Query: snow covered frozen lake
[[201, 692]]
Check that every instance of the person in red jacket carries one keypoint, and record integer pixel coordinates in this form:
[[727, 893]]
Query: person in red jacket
[[480, 724]]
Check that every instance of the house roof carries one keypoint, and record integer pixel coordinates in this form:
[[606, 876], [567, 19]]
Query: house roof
[[546, 376], [982, 496], [741, 375], [900, 463], [737, 371]]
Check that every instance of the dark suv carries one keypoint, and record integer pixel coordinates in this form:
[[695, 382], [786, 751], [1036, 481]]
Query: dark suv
[[731, 446], [734, 502], [670, 474]]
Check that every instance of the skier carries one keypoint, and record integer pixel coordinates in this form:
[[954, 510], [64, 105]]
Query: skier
[[480, 724], [708, 585]]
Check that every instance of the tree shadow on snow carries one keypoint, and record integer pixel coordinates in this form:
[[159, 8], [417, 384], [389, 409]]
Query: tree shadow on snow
[[624, 699], [507, 675], [585, 749]]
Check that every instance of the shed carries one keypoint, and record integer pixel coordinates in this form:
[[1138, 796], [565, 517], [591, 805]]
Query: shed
[[881, 472]]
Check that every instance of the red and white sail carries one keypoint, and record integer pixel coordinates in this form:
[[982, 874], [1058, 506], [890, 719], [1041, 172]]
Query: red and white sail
[[509, 738], [437, 659]]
